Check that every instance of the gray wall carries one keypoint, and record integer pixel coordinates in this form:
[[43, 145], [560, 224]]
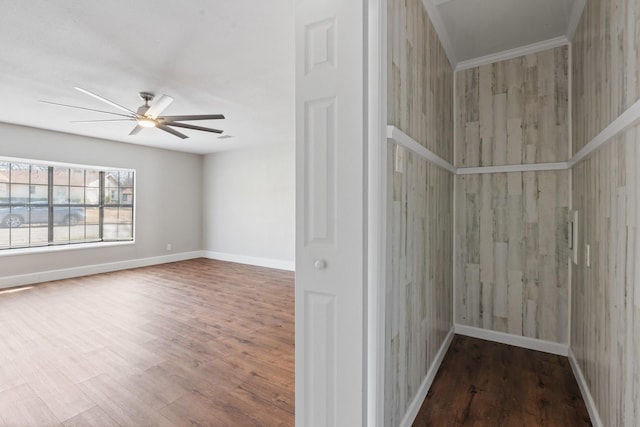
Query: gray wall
[[419, 283], [168, 199], [605, 326], [511, 228], [249, 203]]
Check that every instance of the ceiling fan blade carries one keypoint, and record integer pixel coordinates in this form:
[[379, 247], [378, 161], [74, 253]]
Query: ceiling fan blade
[[101, 121], [187, 126], [171, 131], [158, 106], [105, 100], [135, 130], [193, 117], [88, 109]]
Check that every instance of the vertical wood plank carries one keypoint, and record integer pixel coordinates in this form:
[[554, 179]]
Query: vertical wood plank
[[419, 305], [512, 226]]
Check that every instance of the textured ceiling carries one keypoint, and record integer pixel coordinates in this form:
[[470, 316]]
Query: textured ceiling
[[212, 56]]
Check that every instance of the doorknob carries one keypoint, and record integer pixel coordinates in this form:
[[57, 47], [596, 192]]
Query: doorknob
[[320, 264]]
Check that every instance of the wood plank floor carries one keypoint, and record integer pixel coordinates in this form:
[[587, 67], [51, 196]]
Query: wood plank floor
[[197, 343], [481, 383]]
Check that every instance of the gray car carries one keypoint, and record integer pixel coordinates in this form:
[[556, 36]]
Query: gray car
[[15, 216]]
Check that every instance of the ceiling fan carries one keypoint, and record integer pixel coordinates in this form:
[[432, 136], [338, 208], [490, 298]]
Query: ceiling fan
[[147, 116]]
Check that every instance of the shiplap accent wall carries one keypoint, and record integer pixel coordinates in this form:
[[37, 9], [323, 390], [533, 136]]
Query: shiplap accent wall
[[419, 301], [605, 299], [606, 66], [419, 79], [513, 112], [606, 295], [511, 239], [511, 245], [419, 295]]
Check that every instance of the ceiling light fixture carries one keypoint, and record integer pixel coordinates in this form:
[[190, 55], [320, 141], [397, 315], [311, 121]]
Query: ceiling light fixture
[[146, 122]]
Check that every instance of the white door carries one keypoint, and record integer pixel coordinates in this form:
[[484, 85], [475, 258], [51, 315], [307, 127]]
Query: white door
[[330, 212]]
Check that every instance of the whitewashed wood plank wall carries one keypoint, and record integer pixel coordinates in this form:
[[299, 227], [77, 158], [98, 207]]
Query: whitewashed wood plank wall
[[511, 228], [419, 295], [605, 326], [420, 78], [511, 253], [605, 66], [513, 111], [511, 240], [419, 290], [606, 295]]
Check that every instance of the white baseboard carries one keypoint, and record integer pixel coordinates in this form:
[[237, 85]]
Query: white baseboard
[[584, 389], [244, 259], [515, 340], [414, 408], [68, 273]]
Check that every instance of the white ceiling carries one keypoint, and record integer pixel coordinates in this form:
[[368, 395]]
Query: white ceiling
[[473, 29], [212, 56]]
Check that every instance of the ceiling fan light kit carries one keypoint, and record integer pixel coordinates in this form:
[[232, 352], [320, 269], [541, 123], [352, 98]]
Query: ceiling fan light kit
[[148, 116], [146, 122]]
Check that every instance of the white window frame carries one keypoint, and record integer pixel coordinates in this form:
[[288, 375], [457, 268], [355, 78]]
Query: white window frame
[[81, 245]]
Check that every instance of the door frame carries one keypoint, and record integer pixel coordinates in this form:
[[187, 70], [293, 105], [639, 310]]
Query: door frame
[[376, 208], [374, 216]]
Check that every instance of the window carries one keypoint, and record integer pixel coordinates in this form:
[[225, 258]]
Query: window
[[58, 204]]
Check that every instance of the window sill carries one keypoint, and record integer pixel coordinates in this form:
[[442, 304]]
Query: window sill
[[61, 248]]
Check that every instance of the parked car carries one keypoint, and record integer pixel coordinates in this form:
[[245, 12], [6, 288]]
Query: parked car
[[18, 215]]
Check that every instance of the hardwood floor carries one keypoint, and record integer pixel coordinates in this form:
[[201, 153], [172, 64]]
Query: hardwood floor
[[481, 383], [198, 343]]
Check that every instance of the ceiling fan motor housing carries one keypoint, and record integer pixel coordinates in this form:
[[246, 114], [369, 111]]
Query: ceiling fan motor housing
[[146, 96]]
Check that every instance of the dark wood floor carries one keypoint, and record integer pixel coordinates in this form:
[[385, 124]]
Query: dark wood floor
[[198, 343], [481, 383]]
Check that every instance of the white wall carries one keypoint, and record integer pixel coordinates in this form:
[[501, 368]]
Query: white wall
[[249, 205], [168, 199]]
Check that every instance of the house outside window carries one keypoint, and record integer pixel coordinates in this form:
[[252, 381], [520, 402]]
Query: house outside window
[[62, 204]]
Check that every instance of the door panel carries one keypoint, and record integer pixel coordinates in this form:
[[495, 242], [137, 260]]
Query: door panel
[[330, 200]]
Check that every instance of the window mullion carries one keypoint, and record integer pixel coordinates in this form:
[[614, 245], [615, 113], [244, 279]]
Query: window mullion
[[50, 204], [101, 208]]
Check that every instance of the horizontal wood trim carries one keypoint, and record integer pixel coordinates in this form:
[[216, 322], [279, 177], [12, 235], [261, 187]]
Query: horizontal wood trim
[[278, 264], [513, 53], [515, 340], [414, 408], [532, 167], [586, 393], [627, 119], [68, 273], [396, 135], [404, 140]]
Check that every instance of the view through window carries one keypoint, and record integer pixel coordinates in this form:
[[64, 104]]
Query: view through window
[[52, 204]]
